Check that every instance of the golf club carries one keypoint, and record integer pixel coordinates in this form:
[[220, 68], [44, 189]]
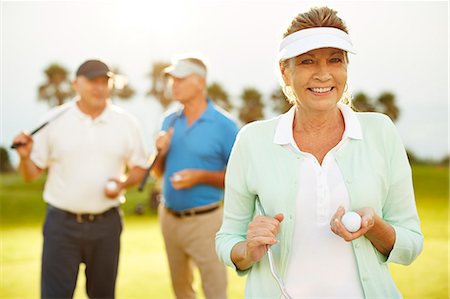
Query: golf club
[[16, 145], [147, 172], [273, 268]]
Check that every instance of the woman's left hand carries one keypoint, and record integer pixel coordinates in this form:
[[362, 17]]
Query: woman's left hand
[[367, 222]]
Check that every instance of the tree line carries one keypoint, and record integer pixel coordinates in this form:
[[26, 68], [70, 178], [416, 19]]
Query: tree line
[[57, 89]]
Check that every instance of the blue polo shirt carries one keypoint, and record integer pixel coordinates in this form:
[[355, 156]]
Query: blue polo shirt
[[206, 145]]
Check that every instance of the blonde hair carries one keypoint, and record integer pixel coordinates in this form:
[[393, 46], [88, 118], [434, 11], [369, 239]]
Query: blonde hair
[[315, 17]]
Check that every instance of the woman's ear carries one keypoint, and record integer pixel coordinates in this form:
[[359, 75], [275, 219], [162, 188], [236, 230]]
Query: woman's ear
[[285, 73]]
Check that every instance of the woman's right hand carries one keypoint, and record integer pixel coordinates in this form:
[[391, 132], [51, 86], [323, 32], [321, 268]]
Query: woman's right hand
[[261, 233], [25, 142]]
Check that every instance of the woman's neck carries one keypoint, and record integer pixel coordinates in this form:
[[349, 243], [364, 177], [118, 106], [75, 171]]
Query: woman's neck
[[316, 123]]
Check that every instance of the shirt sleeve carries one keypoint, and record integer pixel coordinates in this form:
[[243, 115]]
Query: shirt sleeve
[[40, 154], [239, 204], [137, 154], [399, 209]]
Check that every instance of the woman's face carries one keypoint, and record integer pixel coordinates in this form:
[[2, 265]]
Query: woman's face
[[317, 78]]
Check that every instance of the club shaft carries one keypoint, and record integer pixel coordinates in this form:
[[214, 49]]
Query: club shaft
[[272, 266], [17, 144], [147, 174]]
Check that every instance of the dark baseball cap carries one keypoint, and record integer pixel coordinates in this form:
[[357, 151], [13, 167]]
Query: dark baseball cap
[[94, 68]]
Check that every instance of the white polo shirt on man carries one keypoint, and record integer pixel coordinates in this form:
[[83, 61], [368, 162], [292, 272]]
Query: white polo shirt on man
[[322, 264], [82, 153]]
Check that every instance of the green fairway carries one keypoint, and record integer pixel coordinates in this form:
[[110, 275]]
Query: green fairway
[[143, 271]]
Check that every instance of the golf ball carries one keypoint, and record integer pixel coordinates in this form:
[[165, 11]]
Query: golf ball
[[111, 186], [176, 177], [351, 221]]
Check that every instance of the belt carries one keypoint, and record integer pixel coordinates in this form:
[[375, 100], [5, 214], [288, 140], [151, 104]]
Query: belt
[[83, 217], [191, 212]]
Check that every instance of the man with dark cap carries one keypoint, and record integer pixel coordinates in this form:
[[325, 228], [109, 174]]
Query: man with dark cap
[[86, 148], [193, 148]]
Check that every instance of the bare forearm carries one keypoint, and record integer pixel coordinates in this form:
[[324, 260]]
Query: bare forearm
[[28, 170], [213, 178], [239, 256], [135, 175], [159, 166], [382, 236]]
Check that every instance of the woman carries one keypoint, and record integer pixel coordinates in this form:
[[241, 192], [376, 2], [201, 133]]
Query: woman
[[308, 167]]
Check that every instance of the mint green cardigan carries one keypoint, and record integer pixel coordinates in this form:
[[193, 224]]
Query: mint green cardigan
[[376, 172]]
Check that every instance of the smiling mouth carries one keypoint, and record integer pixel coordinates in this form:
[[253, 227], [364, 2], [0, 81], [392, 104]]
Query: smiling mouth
[[321, 89]]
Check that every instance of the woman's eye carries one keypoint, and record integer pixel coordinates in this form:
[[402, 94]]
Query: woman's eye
[[336, 59], [306, 61]]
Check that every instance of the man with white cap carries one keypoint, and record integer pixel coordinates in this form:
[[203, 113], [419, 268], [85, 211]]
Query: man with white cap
[[193, 148], [309, 166], [86, 147]]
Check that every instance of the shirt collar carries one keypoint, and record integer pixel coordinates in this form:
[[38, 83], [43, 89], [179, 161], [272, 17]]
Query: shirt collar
[[103, 117], [283, 133], [209, 112]]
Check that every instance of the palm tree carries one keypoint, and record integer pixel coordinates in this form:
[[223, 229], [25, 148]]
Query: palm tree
[[218, 94], [362, 103], [5, 162], [385, 104], [253, 107], [121, 88], [282, 104], [159, 84], [58, 87]]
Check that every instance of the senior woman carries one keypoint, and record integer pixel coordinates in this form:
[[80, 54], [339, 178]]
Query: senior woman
[[308, 167]]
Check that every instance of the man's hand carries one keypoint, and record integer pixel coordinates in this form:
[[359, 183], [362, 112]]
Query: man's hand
[[112, 193], [163, 140], [26, 145], [186, 178]]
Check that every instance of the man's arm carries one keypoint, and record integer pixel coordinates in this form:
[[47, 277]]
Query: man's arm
[[158, 166], [135, 175], [188, 178], [27, 169], [162, 145]]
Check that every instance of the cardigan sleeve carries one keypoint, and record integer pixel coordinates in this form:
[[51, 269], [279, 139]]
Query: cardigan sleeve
[[399, 208], [239, 202]]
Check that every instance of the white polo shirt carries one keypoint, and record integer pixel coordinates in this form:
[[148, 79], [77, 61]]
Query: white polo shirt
[[322, 264], [82, 153]]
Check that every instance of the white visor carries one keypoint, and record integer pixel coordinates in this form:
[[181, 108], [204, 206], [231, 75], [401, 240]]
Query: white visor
[[184, 68], [309, 39]]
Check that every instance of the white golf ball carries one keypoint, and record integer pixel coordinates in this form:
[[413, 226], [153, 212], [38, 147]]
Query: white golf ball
[[111, 186], [351, 221], [176, 177]]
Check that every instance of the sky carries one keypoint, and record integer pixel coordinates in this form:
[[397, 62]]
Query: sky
[[402, 47]]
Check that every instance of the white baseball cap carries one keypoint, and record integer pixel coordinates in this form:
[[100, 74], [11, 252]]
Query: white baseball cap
[[183, 68]]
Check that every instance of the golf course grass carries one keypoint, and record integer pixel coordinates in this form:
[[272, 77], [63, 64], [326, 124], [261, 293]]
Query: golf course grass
[[143, 270]]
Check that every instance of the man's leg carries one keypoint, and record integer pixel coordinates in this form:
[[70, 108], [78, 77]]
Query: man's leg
[[101, 255], [61, 256], [180, 264], [202, 250]]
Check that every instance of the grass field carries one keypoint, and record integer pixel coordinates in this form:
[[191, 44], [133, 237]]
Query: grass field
[[143, 269]]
